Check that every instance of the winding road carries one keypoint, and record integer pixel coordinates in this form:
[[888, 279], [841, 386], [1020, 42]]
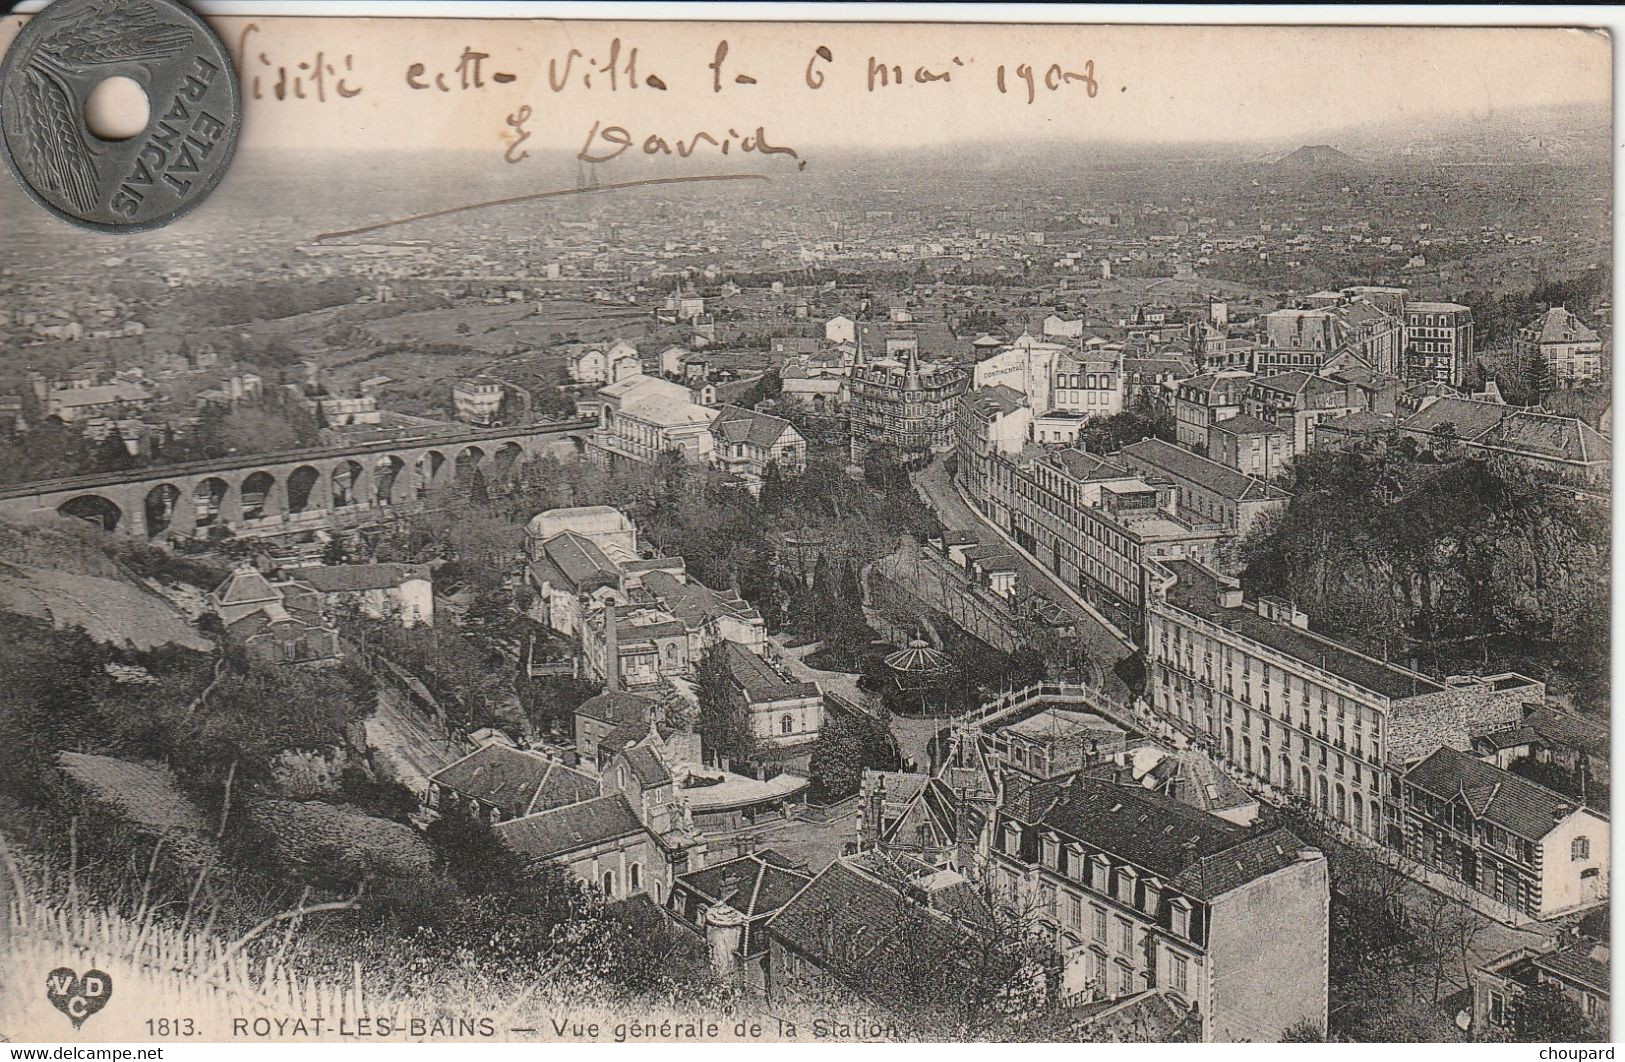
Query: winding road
[[935, 486]]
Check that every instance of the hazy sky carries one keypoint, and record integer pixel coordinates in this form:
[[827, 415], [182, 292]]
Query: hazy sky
[[1153, 83]]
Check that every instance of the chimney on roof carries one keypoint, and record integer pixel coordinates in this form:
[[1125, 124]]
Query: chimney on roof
[[612, 649], [872, 820], [724, 931]]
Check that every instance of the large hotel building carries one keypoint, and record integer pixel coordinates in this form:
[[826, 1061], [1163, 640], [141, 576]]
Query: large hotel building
[[1306, 715]]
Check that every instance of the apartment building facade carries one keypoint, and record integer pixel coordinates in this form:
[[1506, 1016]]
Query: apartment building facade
[[1536, 851], [1202, 401], [1571, 348], [478, 400], [1143, 893], [1302, 713], [1091, 521], [904, 405], [1439, 341], [1207, 489]]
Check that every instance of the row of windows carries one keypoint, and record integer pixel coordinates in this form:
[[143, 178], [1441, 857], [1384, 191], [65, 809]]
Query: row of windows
[[1099, 874], [1093, 381], [1458, 816], [1436, 320], [1105, 936], [1181, 699], [634, 882], [1092, 398], [1227, 655], [1238, 707], [1329, 794]]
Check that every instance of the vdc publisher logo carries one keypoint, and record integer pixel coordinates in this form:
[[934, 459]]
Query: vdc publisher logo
[[78, 995]]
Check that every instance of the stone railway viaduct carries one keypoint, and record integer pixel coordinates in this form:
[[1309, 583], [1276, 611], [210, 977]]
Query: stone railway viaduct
[[278, 493]]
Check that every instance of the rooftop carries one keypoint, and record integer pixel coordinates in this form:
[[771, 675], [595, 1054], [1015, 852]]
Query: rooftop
[[580, 561], [648, 765], [1584, 961], [996, 399], [1196, 591], [919, 659], [695, 603], [1467, 418], [760, 683], [754, 885], [1086, 467], [515, 781], [736, 425], [1548, 435], [1514, 803], [1197, 853], [854, 921], [565, 829], [1359, 421], [349, 578], [736, 790], [618, 707], [1180, 463], [1558, 325], [1054, 723], [1247, 424]]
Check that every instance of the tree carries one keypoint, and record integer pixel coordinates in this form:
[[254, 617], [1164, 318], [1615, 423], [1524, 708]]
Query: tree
[[1447, 440], [885, 467], [1544, 1013], [48, 704], [1142, 419], [825, 592], [477, 861], [844, 605], [52, 449], [987, 971], [256, 429], [1458, 564], [1302, 1032], [1536, 376], [1131, 669], [724, 721], [771, 498], [335, 552], [759, 584], [478, 492], [112, 455], [847, 745], [836, 768]]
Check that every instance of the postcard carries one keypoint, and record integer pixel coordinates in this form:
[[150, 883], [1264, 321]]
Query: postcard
[[531, 530]]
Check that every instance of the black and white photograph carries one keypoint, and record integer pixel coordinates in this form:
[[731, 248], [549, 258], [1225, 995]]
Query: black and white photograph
[[698, 530]]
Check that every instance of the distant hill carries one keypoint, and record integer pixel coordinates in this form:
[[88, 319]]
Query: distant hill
[[1318, 158], [1576, 133]]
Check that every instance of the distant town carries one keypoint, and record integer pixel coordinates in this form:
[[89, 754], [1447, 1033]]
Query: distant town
[[1084, 606]]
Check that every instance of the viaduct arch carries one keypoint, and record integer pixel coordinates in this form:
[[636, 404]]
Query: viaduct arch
[[278, 493]]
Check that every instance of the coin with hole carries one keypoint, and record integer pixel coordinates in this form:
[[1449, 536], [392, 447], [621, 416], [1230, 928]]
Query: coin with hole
[[118, 115]]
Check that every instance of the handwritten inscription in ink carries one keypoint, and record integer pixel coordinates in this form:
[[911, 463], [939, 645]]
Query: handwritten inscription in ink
[[620, 65]]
